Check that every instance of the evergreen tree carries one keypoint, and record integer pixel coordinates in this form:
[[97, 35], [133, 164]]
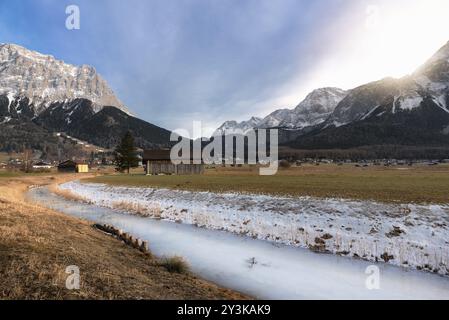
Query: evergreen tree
[[126, 154]]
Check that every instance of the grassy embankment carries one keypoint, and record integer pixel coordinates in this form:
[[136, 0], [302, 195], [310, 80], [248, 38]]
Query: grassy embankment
[[418, 184], [37, 244]]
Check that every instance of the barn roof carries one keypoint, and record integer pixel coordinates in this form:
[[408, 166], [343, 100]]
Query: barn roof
[[160, 155], [70, 163], [155, 155], [41, 163]]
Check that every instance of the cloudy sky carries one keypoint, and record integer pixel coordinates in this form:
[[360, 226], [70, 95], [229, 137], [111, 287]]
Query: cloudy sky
[[175, 61]]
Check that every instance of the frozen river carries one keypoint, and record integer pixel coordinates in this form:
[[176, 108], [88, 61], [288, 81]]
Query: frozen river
[[259, 268]]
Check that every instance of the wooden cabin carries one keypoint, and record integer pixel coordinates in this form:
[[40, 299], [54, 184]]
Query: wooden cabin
[[158, 162], [73, 167]]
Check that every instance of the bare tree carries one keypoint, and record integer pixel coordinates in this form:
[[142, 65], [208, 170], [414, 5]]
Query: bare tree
[[27, 159]]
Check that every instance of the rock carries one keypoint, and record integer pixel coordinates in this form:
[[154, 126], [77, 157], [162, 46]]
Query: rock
[[396, 232], [327, 236], [386, 257]]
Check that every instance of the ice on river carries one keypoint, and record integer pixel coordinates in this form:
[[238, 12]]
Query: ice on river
[[262, 269], [413, 236]]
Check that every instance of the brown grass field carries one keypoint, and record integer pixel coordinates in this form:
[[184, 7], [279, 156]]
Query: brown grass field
[[417, 184], [37, 244]]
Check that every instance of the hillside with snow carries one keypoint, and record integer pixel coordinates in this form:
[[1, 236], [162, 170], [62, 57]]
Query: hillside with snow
[[44, 80], [41, 96], [313, 110], [409, 111]]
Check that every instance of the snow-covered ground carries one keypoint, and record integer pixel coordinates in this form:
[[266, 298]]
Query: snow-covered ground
[[415, 236], [262, 269]]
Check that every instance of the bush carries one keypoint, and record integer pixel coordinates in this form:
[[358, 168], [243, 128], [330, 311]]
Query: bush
[[284, 164], [175, 264]]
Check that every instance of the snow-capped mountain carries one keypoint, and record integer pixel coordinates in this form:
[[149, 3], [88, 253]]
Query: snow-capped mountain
[[431, 81], [230, 127], [411, 111], [44, 80], [315, 109], [41, 96]]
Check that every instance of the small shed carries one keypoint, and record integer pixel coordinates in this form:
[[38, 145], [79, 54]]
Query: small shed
[[159, 162], [73, 166]]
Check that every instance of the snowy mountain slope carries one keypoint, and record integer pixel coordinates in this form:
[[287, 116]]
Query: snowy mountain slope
[[230, 127], [41, 94], [278, 118], [78, 118], [44, 80], [410, 111], [405, 94], [315, 109], [382, 106]]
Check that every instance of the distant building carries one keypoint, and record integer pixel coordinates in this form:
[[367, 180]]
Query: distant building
[[73, 166], [159, 162], [42, 165]]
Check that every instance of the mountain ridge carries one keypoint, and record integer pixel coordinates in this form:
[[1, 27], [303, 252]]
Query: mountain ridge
[[408, 111], [41, 94], [43, 79], [313, 110]]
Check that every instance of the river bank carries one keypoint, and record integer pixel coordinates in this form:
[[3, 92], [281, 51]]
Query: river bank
[[262, 269], [37, 245], [407, 235]]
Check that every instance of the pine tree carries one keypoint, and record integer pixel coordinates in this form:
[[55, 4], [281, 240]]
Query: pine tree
[[126, 154]]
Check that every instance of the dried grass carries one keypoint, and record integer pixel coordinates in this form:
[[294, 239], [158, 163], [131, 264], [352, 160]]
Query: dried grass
[[37, 244], [175, 264]]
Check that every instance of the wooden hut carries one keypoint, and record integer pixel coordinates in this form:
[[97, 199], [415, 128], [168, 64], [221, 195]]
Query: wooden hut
[[159, 162], [73, 167]]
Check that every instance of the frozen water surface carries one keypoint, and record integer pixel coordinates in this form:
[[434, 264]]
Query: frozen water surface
[[409, 235], [259, 268]]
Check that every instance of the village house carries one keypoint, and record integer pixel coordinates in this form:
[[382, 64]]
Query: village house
[[159, 162], [42, 165], [73, 167]]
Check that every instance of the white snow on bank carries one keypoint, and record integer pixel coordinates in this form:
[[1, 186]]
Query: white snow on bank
[[261, 269], [406, 235]]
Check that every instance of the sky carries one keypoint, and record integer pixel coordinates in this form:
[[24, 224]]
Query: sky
[[177, 61]]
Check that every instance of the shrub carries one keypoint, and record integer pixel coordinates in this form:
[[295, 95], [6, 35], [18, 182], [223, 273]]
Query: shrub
[[175, 264], [284, 164]]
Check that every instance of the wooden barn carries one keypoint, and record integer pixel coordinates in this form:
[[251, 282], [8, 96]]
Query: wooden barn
[[159, 162], [73, 167]]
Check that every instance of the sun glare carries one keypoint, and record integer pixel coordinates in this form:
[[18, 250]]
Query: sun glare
[[392, 38]]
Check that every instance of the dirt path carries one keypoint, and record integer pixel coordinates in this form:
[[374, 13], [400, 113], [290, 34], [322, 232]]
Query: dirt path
[[38, 244]]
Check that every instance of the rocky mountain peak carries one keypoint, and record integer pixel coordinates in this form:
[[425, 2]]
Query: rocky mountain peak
[[313, 110], [326, 98], [43, 80], [231, 127]]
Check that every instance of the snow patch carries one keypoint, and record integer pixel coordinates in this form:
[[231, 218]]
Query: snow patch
[[6, 120], [369, 113], [11, 96], [411, 102]]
